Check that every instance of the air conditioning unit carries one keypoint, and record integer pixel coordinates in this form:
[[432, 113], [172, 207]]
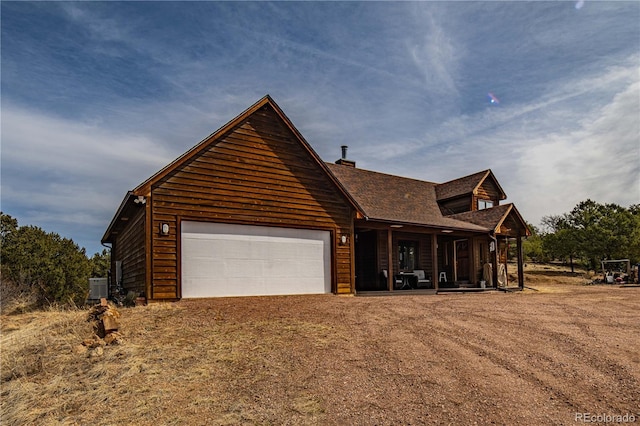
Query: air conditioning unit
[[98, 288]]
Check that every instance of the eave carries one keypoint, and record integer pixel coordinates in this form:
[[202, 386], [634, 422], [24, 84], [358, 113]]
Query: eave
[[124, 205]]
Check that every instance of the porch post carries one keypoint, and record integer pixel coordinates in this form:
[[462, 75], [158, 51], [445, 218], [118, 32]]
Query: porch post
[[495, 261], [520, 263], [390, 278], [434, 260]]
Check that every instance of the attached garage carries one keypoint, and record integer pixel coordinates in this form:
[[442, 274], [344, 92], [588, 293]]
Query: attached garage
[[250, 210], [244, 260]]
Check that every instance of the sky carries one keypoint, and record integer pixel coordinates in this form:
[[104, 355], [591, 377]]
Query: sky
[[98, 96]]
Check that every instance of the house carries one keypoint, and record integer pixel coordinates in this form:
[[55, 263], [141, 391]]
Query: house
[[253, 210]]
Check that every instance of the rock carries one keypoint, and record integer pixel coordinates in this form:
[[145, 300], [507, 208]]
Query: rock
[[113, 338], [80, 349], [97, 352]]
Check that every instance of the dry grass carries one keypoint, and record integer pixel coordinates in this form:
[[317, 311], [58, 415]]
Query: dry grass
[[549, 278], [167, 359], [326, 360]]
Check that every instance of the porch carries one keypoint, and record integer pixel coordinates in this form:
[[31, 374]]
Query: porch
[[405, 259], [430, 292]]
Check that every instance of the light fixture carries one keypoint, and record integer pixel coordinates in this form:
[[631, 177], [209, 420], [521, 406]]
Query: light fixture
[[164, 228], [140, 200], [343, 239], [447, 231], [396, 226]]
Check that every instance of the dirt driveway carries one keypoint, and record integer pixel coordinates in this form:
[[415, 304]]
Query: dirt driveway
[[447, 359], [493, 358]]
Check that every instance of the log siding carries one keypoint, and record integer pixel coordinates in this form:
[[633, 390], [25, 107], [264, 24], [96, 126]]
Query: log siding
[[129, 248], [487, 191], [259, 174]]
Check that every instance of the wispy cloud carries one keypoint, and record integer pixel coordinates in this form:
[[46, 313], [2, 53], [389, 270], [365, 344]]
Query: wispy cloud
[[578, 140], [436, 54], [65, 176], [599, 160]]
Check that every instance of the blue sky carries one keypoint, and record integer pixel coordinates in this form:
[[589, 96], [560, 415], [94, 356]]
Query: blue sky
[[98, 96]]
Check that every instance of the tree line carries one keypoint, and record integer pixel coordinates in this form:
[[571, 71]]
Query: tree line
[[42, 268], [589, 233]]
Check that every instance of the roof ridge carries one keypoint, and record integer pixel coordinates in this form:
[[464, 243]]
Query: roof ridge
[[359, 169], [485, 172]]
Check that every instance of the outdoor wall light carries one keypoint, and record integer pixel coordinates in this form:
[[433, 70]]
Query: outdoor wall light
[[164, 229], [343, 239]]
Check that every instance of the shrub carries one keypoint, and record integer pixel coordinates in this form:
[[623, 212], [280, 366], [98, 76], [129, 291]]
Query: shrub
[[42, 267]]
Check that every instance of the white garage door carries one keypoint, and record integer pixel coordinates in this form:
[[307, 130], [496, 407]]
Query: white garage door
[[241, 260]]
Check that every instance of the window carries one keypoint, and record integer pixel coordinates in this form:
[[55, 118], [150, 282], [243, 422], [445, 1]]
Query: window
[[484, 204], [408, 255]]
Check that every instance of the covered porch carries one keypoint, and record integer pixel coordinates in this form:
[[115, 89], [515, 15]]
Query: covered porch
[[392, 257], [410, 234]]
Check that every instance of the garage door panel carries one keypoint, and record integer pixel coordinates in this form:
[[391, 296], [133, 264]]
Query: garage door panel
[[239, 260]]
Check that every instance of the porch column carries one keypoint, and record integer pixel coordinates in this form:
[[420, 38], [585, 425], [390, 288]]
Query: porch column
[[390, 279], [434, 260], [495, 260], [520, 263]]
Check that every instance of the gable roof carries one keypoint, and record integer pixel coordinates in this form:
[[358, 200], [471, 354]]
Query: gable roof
[[397, 199], [467, 185], [145, 186], [144, 189], [493, 218], [374, 195]]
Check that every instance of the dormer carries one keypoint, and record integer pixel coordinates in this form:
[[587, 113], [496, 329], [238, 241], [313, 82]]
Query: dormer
[[470, 193]]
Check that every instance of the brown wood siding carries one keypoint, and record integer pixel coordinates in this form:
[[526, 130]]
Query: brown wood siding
[[487, 191], [257, 173], [129, 249]]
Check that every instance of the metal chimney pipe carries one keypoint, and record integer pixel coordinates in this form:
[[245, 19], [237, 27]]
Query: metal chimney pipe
[[344, 151]]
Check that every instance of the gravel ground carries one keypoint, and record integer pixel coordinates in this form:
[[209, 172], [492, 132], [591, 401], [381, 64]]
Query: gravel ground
[[525, 358], [491, 358]]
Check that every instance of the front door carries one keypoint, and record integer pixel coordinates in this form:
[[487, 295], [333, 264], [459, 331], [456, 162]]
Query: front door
[[461, 257]]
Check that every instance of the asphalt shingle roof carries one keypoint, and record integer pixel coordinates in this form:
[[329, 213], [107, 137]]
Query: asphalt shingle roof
[[488, 218], [396, 199], [461, 186]]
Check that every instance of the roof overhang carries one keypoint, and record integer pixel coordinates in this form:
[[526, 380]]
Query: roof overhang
[[129, 206], [397, 225], [512, 211], [494, 218]]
